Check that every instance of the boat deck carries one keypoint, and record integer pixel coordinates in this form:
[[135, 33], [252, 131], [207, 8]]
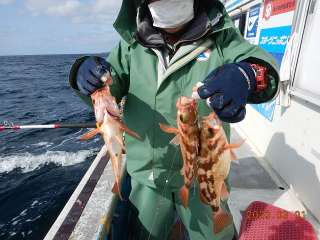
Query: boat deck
[[255, 180], [251, 180]]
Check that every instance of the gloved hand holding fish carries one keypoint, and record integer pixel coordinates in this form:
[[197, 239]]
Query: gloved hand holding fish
[[226, 90], [107, 114], [207, 155]]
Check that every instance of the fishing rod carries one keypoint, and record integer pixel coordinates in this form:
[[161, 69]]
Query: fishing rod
[[65, 125]]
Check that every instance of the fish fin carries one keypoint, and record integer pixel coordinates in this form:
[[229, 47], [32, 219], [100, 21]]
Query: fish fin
[[108, 144], [175, 141], [182, 171], [234, 157], [168, 128], [221, 220], [105, 152], [183, 196], [120, 143], [116, 189], [234, 145], [123, 127], [91, 134], [203, 199], [224, 194]]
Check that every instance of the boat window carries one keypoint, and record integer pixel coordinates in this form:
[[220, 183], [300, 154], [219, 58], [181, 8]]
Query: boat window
[[305, 77], [239, 21]]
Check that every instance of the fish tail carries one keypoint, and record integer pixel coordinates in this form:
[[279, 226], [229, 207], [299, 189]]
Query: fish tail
[[116, 189], [91, 134], [221, 220], [183, 196]]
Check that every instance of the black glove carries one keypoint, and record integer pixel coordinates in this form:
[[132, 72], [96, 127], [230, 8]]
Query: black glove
[[227, 89], [90, 73]]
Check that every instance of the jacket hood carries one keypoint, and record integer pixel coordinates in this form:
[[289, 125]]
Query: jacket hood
[[132, 12]]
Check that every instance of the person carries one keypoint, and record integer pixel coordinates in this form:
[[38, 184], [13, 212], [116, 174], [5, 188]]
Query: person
[[167, 48]]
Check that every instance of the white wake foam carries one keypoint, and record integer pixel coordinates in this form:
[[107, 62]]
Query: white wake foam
[[29, 162]]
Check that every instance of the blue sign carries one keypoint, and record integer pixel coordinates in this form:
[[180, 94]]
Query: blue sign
[[253, 21], [274, 39], [266, 109], [278, 57]]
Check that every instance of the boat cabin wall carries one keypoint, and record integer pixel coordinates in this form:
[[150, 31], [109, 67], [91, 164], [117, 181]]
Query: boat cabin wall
[[287, 135]]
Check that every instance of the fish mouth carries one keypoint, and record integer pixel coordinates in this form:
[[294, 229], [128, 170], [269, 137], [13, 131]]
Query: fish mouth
[[184, 102]]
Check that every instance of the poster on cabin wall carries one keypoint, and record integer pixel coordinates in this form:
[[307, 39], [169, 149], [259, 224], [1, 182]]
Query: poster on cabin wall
[[275, 26], [252, 23]]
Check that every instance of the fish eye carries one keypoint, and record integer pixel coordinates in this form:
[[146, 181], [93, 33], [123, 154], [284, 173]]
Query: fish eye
[[183, 118], [210, 132]]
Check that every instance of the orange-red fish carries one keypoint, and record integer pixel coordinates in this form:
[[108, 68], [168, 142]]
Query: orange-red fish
[[188, 138], [212, 167], [106, 107]]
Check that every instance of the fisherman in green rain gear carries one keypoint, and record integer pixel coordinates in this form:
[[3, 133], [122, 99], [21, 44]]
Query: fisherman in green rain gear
[[167, 48]]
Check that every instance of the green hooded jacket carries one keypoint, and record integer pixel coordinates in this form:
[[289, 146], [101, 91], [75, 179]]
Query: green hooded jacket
[[153, 86]]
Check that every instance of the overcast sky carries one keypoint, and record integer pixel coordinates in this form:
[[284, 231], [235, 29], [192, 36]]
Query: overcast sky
[[57, 26]]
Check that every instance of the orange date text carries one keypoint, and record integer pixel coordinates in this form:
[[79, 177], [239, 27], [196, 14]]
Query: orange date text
[[278, 215]]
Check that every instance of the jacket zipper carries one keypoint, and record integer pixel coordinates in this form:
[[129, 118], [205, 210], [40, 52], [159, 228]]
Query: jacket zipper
[[189, 40], [204, 33]]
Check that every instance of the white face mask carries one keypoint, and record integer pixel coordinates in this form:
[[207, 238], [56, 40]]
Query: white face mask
[[171, 13]]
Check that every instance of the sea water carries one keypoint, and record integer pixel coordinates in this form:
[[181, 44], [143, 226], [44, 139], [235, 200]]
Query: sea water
[[40, 168]]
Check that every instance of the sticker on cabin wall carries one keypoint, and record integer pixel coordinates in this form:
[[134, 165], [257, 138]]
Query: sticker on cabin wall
[[266, 109], [204, 56], [253, 21], [275, 7], [268, 10]]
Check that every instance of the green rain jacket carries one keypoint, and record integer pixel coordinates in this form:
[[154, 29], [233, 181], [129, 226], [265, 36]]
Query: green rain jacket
[[153, 87]]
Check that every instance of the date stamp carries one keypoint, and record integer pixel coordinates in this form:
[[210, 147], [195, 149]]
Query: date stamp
[[279, 215]]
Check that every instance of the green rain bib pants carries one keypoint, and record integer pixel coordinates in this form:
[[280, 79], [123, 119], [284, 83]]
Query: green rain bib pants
[[153, 212]]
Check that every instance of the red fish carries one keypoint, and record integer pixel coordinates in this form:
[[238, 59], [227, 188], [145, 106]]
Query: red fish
[[212, 167], [188, 139], [106, 107]]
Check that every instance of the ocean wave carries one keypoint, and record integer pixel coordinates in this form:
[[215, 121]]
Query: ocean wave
[[32, 220], [28, 162], [40, 144]]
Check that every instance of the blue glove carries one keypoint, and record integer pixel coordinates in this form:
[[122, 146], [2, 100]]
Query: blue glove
[[89, 75], [226, 89]]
